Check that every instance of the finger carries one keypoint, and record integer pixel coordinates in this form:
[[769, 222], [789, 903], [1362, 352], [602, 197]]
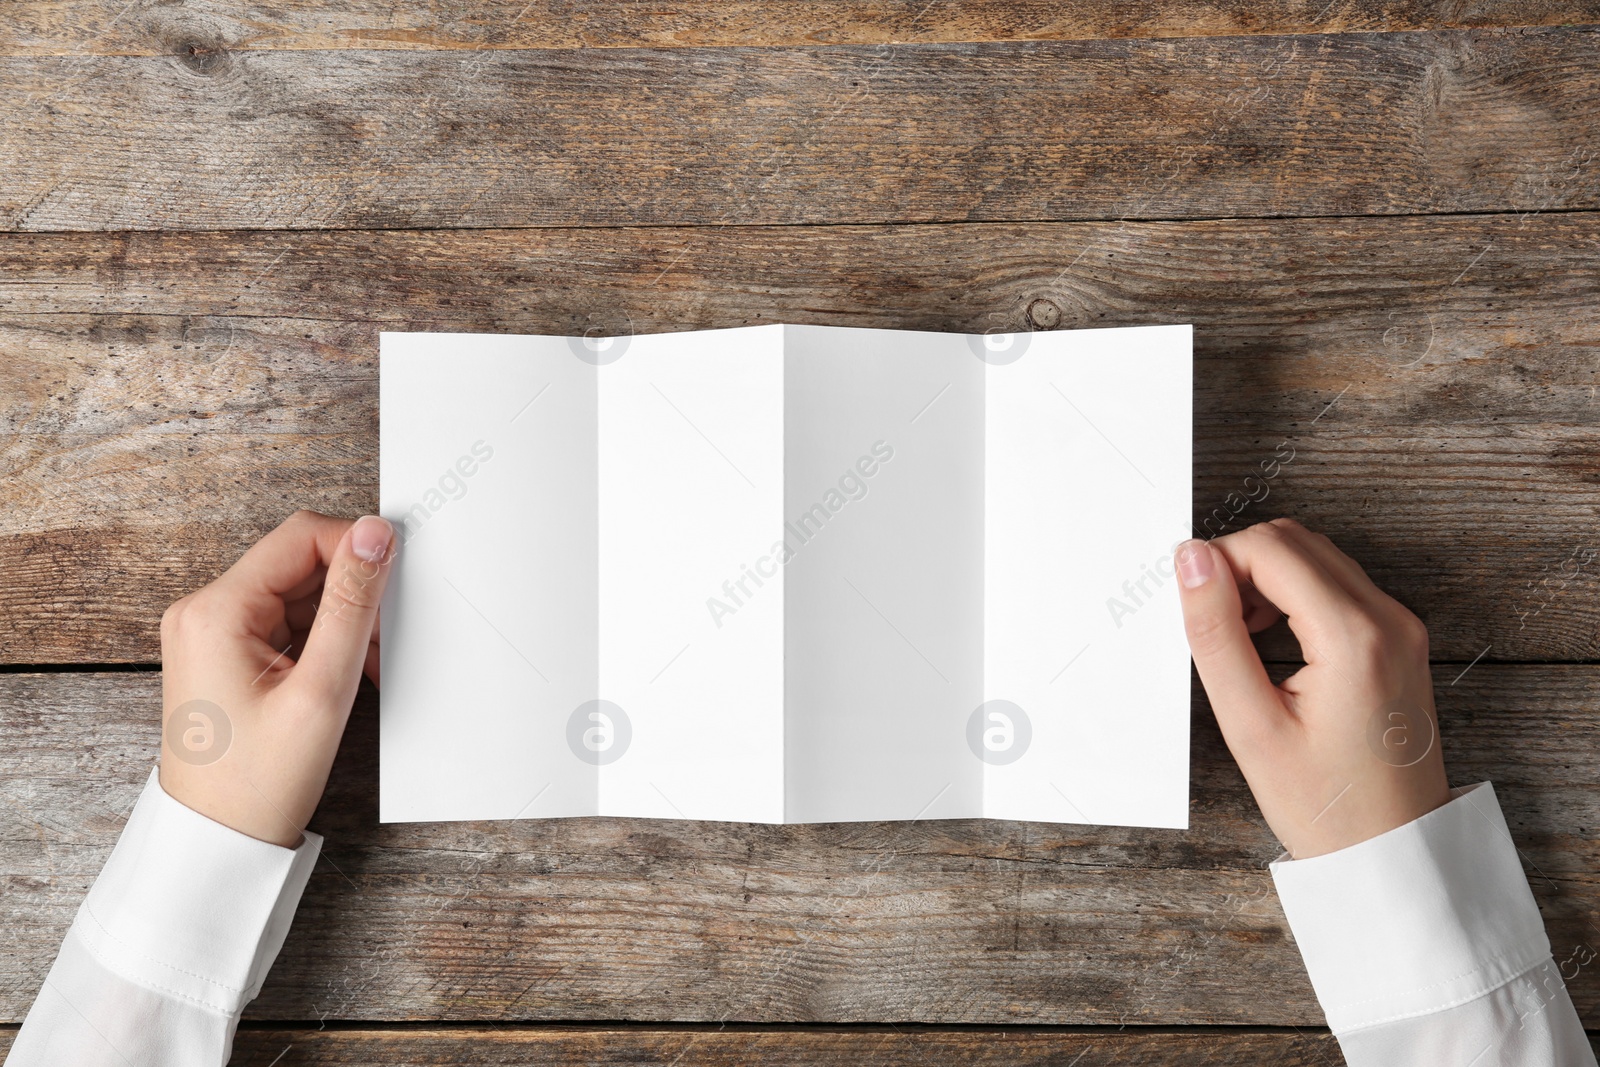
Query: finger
[[285, 562], [336, 649], [370, 668], [1344, 570], [1242, 696], [1270, 559]]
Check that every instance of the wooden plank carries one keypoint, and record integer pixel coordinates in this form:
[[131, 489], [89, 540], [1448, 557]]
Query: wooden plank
[[735, 1047], [892, 1047], [172, 397], [1023, 1048], [967, 922], [1357, 124], [148, 27], [700, 1047]]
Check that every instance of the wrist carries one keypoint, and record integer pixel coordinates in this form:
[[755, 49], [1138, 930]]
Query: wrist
[[233, 802]]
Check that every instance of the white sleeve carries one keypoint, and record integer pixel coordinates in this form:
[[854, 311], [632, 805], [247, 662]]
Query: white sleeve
[[1425, 945], [171, 943]]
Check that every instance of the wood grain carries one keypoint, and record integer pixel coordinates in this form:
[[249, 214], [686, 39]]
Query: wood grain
[[202, 27], [1351, 124], [967, 922], [734, 1047], [890, 1046], [562, 165], [169, 398]]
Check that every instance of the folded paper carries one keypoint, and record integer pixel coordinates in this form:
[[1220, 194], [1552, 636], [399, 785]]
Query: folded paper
[[786, 574]]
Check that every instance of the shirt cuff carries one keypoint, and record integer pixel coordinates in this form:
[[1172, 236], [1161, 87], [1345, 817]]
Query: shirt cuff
[[190, 908], [1430, 915]]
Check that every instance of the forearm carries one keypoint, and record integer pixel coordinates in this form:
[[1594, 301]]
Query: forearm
[[173, 940], [1425, 946]]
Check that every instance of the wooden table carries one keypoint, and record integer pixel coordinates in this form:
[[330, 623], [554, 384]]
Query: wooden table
[[1383, 217]]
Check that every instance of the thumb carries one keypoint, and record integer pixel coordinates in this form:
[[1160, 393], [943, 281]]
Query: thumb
[[1242, 697], [336, 648]]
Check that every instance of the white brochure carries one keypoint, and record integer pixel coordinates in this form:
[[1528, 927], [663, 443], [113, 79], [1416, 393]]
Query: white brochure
[[786, 574]]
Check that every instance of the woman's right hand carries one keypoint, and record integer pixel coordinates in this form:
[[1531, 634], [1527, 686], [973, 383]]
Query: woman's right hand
[[1347, 747]]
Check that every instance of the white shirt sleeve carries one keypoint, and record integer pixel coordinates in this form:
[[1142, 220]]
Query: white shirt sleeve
[[173, 940], [1425, 946]]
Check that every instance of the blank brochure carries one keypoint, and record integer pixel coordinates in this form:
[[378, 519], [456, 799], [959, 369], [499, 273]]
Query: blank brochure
[[786, 574]]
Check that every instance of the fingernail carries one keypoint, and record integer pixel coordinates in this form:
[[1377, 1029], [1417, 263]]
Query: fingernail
[[1195, 565], [371, 537]]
